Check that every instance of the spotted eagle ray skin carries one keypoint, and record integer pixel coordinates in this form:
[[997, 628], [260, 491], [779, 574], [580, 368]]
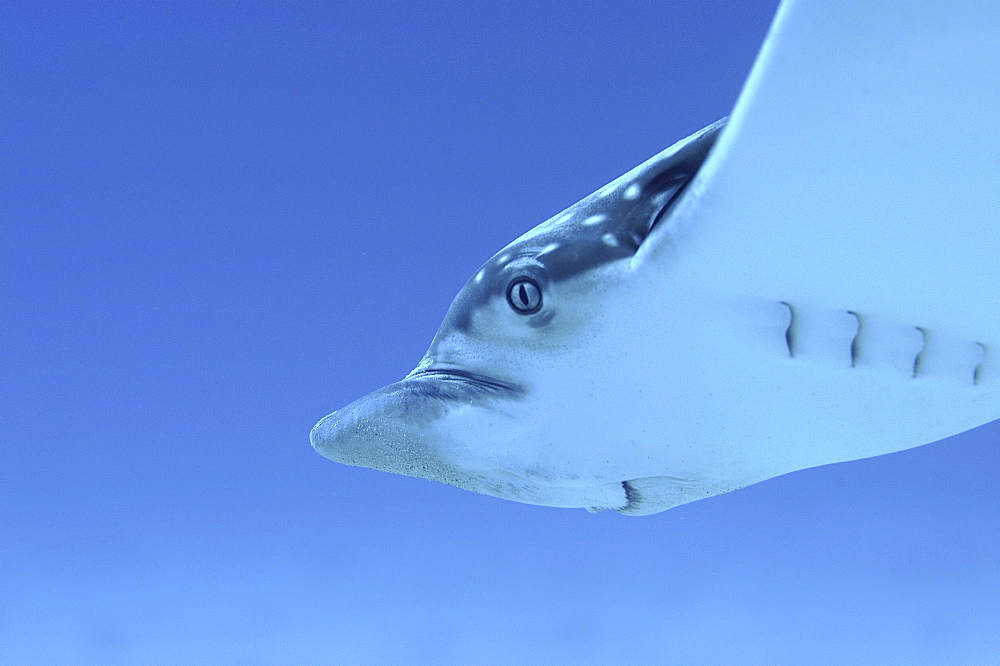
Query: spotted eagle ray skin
[[811, 281]]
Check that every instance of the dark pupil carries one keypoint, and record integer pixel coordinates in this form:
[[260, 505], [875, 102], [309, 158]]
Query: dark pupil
[[524, 296]]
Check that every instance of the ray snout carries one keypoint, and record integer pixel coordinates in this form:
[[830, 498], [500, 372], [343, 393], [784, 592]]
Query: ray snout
[[323, 435], [340, 436], [391, 429]]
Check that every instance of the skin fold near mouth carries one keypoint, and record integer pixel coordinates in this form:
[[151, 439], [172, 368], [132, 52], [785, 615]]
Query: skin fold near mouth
[[451, 374]]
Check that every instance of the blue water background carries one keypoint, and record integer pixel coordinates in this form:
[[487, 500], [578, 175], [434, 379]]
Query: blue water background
[[221, 221]]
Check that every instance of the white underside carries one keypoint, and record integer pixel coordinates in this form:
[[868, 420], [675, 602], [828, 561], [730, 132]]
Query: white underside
[[855, 186]]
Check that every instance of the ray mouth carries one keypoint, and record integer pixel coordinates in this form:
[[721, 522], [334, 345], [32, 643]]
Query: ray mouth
[[472, 379]]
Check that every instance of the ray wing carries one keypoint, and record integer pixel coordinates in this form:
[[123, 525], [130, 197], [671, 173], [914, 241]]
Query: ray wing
[[861, 165], [835, 258], [824, 289]]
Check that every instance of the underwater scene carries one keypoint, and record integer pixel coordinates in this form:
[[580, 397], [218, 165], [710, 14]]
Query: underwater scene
[[223, 221]]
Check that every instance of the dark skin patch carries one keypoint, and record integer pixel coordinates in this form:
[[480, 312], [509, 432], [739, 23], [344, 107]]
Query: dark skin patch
[[581, 247]]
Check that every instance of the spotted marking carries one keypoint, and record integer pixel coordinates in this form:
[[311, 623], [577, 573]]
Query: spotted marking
[[632, 192], [610, 240], [595, 219], [503, 258], [548, 248], [479, 277]]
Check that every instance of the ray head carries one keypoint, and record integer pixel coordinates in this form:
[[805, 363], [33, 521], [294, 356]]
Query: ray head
[[476, 409]]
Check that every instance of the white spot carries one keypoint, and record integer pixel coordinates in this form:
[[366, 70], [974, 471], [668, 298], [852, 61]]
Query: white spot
[[548, 248], [632, 191], [479, 277], [562, 218], [503, 259], [609, 239], [594, 219]]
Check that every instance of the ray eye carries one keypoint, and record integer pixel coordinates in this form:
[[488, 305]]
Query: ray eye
[[525, 296]]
